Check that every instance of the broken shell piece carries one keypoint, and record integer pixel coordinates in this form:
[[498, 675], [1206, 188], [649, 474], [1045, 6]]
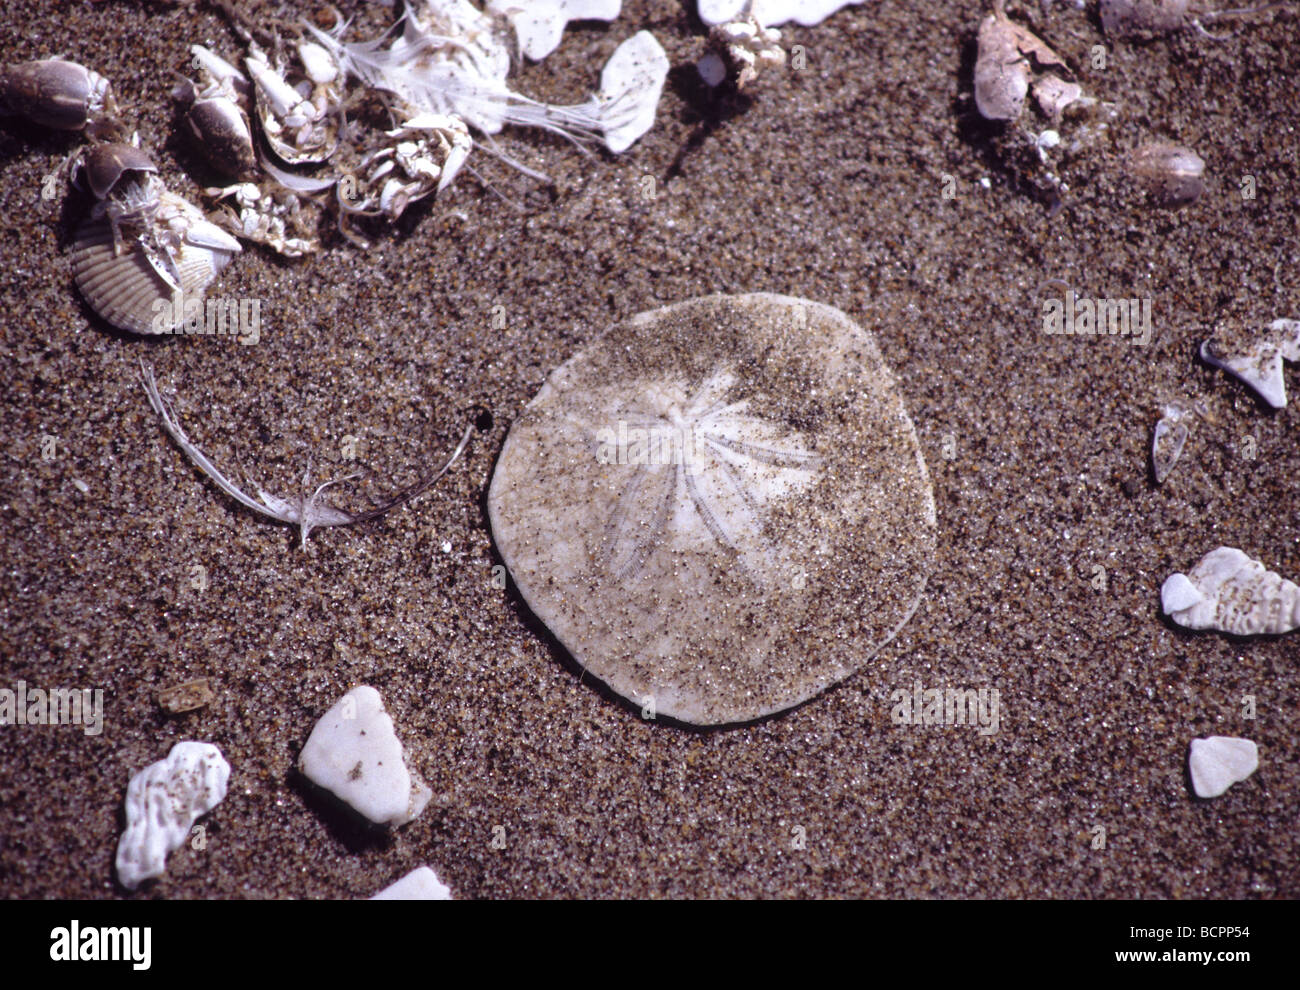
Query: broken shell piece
[[1232, 593], [56, 93], [353, 752], [162, 803], [140, 284], [186, 697], [747, 48], [769, 12], [418, 885], [1002, 65], [630, 86], [1054, 94], [1170, 173], [1258, 361], [1218, 762], [1168, 440], [539, 24]]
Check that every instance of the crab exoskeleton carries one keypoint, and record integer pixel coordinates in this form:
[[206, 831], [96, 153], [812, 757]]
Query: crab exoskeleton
[[218, 114], [300, 121], [427, 152], [57, 93], [264, 217]]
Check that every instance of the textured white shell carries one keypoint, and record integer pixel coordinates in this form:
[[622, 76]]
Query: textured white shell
[[1232, 593], [127, 291], [162, 803], [1219, 762], [769, 12], [353, 752]]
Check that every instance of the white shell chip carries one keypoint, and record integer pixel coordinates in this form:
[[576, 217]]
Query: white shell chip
[[162, 803], [418, 885], [1219, 762], [353, 752], [719, 507]]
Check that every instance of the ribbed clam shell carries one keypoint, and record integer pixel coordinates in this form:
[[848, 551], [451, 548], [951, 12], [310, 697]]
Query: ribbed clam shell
[[125, 288]]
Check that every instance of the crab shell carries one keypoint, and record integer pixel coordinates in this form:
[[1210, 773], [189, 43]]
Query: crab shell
[[281, 108], [57, 93], [105, 165], [223, 134], [132, 290]]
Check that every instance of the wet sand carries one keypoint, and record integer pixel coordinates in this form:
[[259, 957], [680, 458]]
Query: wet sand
[[828, 185]]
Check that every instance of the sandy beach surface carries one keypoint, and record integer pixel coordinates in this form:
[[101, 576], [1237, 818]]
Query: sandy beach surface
[[828, 183]]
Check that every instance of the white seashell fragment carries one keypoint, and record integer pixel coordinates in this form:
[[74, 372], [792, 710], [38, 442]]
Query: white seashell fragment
[[539, 24], [354, 753], [630, 86], [720, 507], [1168, 439], [162, 803], [1218, 762], [1258, 361], [1232, 593], [770, 12], [418, 885]]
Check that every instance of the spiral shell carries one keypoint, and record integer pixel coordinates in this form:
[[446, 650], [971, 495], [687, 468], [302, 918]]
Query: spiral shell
[[1230, 592]]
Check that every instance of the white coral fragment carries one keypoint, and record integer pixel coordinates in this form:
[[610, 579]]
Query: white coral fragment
[[769, 12], [1218, 762], [539, 24], [354, 753], [1258, 363], [418, 885], [162, 803], [1230, 592]]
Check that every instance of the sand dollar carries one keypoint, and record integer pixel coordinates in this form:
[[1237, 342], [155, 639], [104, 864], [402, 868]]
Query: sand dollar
[[720, 507]]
